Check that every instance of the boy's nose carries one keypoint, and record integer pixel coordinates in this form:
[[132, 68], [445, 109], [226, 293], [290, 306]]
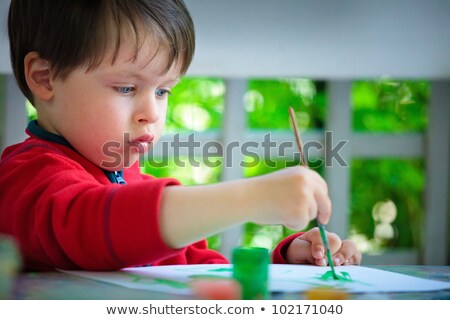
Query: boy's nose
[[147, 112]]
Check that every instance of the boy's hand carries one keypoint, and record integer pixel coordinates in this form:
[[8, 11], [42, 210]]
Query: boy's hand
[[291, 196], [308, 249]]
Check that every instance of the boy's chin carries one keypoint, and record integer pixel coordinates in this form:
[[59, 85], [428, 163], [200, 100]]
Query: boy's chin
[[120, 164]]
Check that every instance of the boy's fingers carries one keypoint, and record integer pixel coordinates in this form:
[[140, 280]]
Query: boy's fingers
[[313, 237], [320, 262], [313, 210], [299, 252], [334, 242], [338, 259], [355, 259], [318, 251], [323, 200], [348, 254], [323, 205], [317, 247], [320, 180]]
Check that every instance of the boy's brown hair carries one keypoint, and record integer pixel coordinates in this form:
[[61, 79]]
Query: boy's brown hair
[[74, 33]]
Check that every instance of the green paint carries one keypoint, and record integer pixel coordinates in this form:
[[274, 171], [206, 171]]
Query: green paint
[[150, 281], [134, 277], [172, 283], [208, 277], [221, 270], [344, 276]]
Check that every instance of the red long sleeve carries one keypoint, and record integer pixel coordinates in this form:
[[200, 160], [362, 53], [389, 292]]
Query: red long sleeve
[[66, 214], [279, 253]]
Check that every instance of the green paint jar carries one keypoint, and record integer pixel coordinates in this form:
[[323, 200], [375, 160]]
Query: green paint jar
[[251, 270]]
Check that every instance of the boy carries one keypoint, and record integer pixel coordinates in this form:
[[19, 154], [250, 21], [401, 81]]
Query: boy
[[98, 74]]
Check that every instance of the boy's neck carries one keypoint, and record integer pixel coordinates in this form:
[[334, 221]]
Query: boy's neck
[[44, 122], [36, 130]]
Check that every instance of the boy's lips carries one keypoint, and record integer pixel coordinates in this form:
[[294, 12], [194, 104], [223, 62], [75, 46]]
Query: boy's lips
[[146, 138], [141, 144]]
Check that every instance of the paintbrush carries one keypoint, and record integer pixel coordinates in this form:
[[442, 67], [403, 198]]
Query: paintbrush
[[305, 163]]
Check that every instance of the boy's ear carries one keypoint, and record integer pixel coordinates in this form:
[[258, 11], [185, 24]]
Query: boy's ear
[[38, 76]]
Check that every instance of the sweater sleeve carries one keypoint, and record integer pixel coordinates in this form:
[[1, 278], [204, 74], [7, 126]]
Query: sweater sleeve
[[197, 253], [63, 217], [279, 253]]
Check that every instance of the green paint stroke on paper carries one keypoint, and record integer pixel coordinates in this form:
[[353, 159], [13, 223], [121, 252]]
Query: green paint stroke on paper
[[172, 283], [151, 281], [221, 270], [344, 276], [135, 277], [207, 277]]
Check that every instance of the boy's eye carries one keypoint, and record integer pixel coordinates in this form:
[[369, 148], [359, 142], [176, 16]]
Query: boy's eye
[[162, 92], [125, 90]]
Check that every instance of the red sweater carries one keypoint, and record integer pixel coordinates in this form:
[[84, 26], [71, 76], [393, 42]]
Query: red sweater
[[66, 213]]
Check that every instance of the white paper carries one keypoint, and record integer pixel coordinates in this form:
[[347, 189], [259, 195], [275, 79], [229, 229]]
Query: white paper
[[282, 278]]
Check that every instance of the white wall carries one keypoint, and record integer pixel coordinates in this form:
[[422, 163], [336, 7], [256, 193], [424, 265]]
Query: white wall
[[323, 39]]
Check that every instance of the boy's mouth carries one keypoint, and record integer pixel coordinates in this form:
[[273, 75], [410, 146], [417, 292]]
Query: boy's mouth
[[141, 144]]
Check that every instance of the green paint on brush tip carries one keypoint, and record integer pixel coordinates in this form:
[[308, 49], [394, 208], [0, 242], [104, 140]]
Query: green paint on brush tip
[[343, 276]]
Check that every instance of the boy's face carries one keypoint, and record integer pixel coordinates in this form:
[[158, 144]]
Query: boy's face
[[113, 113]]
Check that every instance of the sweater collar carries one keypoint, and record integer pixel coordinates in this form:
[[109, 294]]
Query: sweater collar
[[37, 131]]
